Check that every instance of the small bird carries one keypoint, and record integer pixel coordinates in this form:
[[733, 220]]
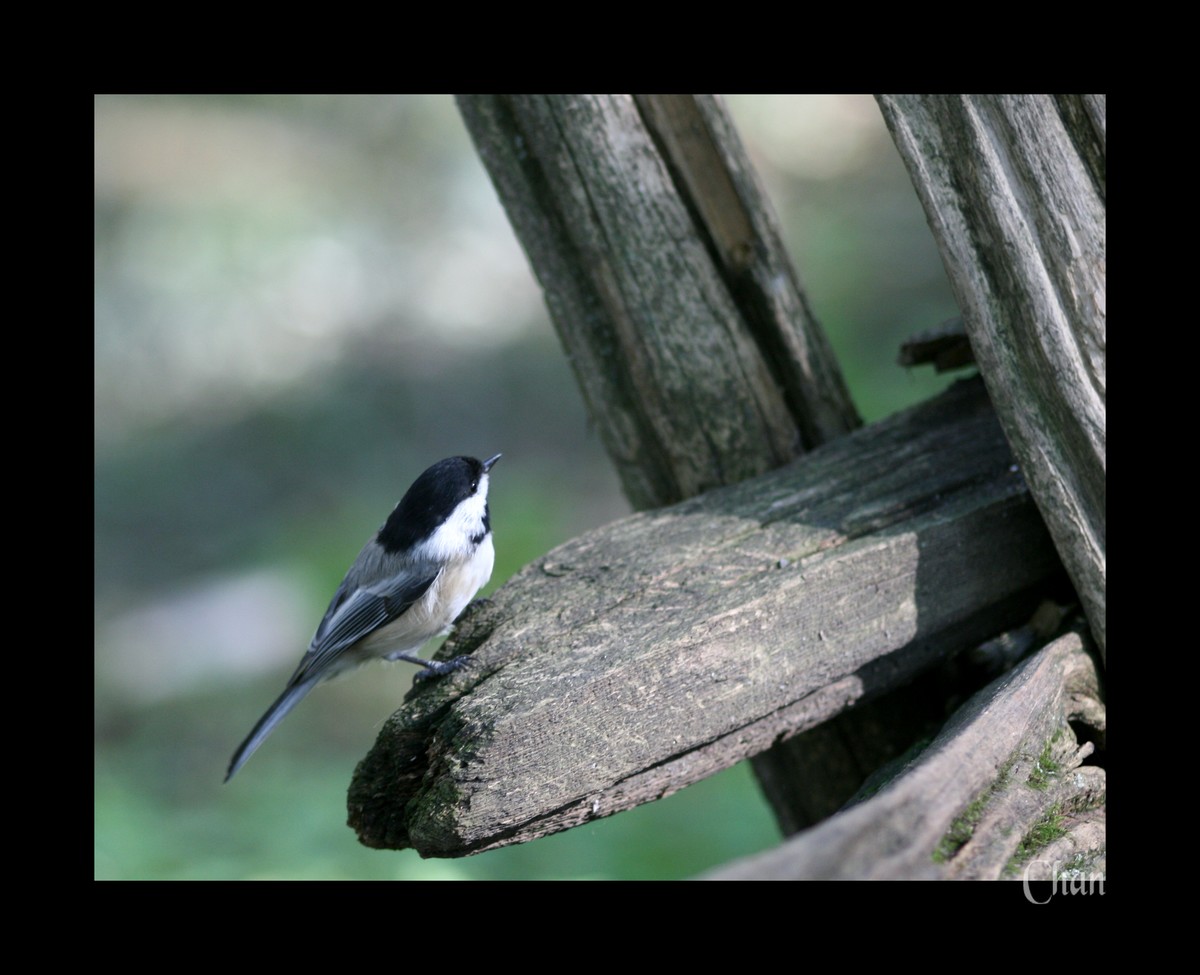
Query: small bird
[[409, 583]]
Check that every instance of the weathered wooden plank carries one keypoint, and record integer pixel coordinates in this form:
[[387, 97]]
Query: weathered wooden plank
[[1014, 189], [731, 212], [1001, 790], [638, 658]]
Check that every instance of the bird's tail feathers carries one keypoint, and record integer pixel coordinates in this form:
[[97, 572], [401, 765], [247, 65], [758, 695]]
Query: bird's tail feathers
[[292, 696]]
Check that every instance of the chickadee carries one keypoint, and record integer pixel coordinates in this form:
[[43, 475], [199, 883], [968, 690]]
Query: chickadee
[[409, 584]]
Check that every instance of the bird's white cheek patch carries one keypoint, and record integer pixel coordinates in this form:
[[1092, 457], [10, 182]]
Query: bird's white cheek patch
[[451, 542]]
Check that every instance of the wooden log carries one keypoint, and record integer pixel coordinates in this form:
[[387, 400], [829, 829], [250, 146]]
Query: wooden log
[[1002, 792], [646, 655]]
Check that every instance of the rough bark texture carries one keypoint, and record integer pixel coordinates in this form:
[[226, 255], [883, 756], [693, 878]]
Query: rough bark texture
[[646, 655], [733, 216], [1014, 189], [1005, 788], [697, 355]]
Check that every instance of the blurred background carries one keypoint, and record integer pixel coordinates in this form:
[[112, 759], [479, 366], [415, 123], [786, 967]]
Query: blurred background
[[300, 303]]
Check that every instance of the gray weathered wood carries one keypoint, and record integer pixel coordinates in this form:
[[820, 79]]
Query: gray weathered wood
[[971, 805], [646, 655], [731, 212], [663, 272], [1014, 189], [717, 182]]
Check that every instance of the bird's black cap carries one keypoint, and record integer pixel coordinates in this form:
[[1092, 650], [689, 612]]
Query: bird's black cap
[[431, 499]]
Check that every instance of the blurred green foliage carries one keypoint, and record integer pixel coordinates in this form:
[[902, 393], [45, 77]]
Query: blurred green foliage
[[161, 811]]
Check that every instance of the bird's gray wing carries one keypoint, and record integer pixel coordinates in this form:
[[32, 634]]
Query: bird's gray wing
[[357, 611]]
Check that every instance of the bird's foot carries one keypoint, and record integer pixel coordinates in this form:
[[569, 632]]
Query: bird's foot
[[440, 668]]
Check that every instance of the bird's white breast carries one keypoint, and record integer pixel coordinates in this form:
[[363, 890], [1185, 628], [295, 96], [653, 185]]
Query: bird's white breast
[[443, 602], [459, 582]]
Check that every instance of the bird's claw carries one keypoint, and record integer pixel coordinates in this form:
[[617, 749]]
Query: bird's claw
[[440, 668]]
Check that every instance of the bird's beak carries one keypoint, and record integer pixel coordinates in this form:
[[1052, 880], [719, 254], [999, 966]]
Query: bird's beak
[[487, 464]]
